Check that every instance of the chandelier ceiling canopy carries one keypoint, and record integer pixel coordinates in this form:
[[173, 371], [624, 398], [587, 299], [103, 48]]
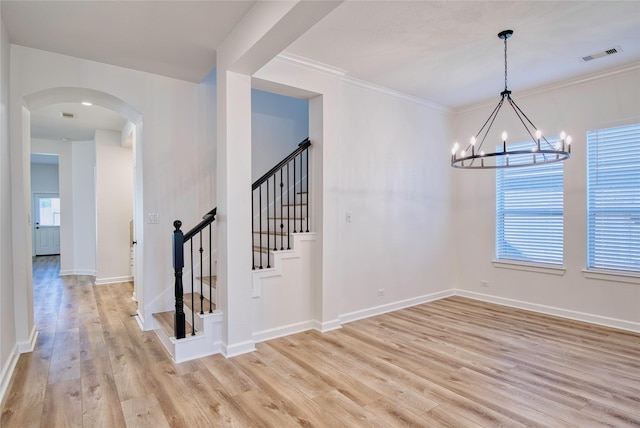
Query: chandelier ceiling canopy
[[542, 150]]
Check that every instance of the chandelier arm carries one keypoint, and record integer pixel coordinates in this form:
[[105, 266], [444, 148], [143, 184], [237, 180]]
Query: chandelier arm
[[520, 113], [491, 118], [489, 121], [513, 103]]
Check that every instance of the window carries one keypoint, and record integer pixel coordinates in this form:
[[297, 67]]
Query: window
[[529, 211], [613, 198], [49, 212]]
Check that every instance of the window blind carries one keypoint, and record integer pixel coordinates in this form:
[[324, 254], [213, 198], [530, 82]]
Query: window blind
[[613, 198], [529, 211]]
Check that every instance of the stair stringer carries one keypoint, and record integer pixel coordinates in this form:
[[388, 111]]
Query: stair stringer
[[283, 294]]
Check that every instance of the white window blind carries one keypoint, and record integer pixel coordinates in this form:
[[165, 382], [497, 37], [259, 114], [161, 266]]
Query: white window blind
[[529, 211], [613, 198]]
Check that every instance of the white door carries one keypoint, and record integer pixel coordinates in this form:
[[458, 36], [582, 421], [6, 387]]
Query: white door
[[46, 223]]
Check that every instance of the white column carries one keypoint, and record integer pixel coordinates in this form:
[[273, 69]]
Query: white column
[[234, 210]]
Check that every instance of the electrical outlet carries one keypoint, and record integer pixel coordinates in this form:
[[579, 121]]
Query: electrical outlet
[[484, 283], [380, 292]]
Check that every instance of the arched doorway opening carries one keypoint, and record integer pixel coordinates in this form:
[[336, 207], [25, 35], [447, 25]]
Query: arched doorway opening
[[133, 129]]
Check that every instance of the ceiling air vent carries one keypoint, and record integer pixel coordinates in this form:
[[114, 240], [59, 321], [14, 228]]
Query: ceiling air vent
[[67, 115], [601, 54]]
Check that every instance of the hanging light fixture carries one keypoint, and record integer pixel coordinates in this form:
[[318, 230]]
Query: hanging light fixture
[[542, 151]]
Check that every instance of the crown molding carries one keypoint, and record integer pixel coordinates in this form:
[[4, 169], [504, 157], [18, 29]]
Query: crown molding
[[556, 86], [342, 75], [309, 63]]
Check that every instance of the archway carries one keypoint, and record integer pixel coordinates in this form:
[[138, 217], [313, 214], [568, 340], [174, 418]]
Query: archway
[[59, 95]]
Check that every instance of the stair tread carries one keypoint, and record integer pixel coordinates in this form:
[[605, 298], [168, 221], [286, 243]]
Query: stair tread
[[297, 218], [259, 249], [295, 205], [196, 300], [271, 232], [205, 280], [166, 322]]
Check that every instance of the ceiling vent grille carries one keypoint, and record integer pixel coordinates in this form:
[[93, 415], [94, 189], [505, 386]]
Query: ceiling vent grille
[[68, 115], [604, 53]]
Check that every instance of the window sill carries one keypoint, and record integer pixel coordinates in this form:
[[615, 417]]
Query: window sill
[[529, 267], [612, 275]]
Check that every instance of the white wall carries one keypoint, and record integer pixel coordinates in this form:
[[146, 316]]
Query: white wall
[[84, 208], [602, 102], [8, 342], [175, 160], [114, 192], [395, 182], [379, 156], [278, 124]]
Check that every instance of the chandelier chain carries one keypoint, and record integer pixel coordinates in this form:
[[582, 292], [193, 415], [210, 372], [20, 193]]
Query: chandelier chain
[[505, 64]]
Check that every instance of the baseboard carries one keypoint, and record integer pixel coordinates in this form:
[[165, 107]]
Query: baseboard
[[113, 280], [275, 333], [551, 310], [383, 309], [67, 272], [324, 327], [238, 348], [7, 371], [29, 345]]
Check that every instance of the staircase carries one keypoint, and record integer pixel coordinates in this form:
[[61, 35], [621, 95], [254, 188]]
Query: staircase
[[280, 206], [193, 329]]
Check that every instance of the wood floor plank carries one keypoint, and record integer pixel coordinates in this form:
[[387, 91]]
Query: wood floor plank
[[100, 402], [63, 405], [454, 362]]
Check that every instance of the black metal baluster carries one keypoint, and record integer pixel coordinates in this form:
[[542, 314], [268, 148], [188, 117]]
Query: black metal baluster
[[289, 210], [268, 231], [201, 277], [275, 214], [253, 233], [211, 269], [307, 153], [301, 192], [294, 194], [281, 213], [260, 226], [193, 333]]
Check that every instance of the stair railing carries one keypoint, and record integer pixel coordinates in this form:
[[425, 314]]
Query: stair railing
[[179, 241], [291, 176]]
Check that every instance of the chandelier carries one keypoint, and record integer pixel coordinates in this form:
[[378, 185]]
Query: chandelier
[[542, 151]]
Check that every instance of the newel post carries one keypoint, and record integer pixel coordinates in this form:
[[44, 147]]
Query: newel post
[[178, 264]]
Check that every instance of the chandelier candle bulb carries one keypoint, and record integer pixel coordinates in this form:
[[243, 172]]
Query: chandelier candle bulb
[[473, 146], [569, 140], [538, 136]]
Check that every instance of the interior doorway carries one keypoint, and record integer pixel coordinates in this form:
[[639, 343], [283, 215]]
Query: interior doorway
[[46, 224]]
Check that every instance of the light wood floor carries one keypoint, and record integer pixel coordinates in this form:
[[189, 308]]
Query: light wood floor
[[454, 362]]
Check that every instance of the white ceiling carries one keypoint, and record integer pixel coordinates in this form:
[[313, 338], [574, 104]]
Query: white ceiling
[[445, 52], [48, 122], [448, 52]]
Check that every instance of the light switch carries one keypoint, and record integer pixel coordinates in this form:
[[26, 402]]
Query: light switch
[[348, 217]]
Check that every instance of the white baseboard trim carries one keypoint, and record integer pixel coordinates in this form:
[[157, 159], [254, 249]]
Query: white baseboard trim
[[7, 371], [140, 321], [68, 272], [324, 327], [286, 330], [29, 345], [383, 309], [238, 348], [114, 280], [551, 310]]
